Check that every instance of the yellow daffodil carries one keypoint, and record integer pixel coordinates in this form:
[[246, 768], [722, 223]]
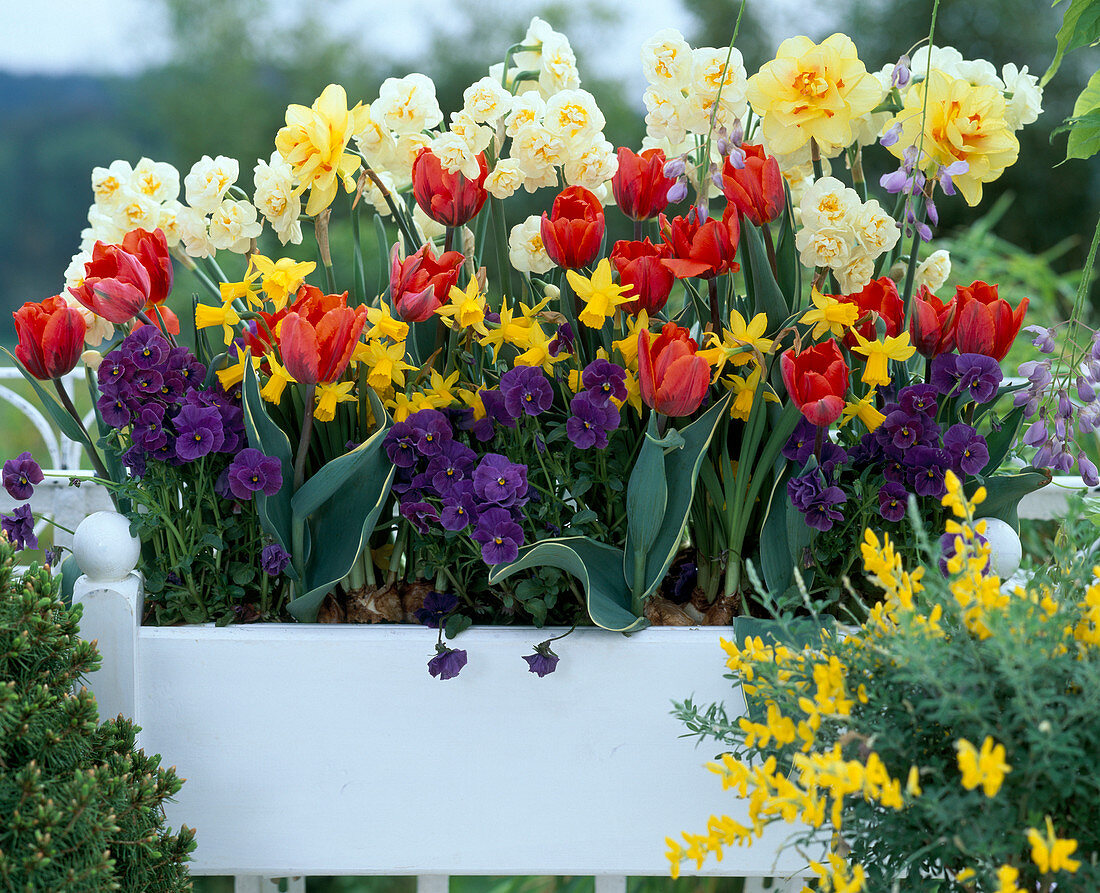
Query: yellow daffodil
[[386, 364], [738, 342], [986, 767], [829, 315], [1052, 853], [509, 330], [472, 399], [601, 295], [273, 391], [234, 374], [864, 410], [441, 392], [282, 277], [313, 143], [465, 309], [628, 344], [383, 324], [404, 405], [536, 350], [745, 388], [224, 316], [328, 395], [876, 371], [633, 392], [1006, 879]]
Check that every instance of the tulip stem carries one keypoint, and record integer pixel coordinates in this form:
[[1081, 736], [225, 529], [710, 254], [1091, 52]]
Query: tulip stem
[[449, 239], [303, 441], [93, 453], [715, 310], [770, 246]]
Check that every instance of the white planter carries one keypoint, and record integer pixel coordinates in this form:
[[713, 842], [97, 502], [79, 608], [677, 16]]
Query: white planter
[[313, 749]]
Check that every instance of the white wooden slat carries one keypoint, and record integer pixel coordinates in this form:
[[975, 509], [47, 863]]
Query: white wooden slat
[[433, 883], [250, 883], [610, 883]]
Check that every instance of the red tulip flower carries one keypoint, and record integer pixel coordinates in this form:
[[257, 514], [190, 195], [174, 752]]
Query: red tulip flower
[[639, 266], [880, 296], [422, 282], [932, 327], [319, 334], [703, 249], [51, 337], [817, 380], [151, 248], [755, 190], [116, 284], [672, 377], [448, 198], [573, 231], [640, 185], [985, 323]]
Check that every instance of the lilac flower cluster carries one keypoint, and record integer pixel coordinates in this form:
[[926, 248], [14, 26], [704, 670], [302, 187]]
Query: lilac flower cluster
[[593, 415], [156, 390], [19, 477], [441, 481], [1059, 419]]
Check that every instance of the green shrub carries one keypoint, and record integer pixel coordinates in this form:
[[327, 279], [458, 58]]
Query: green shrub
[[80, 808]]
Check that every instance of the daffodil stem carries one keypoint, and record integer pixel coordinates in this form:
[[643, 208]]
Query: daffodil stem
[[815, 159], [303, 441], [715, 310]]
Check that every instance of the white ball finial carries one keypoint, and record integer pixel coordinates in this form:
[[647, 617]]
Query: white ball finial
[[1005, 550], [104, 547]]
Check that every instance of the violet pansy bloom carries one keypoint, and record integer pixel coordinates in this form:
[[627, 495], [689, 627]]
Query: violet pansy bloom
[[968, 374], [20, 475], [543, 662], [605, 378], [447, 663], [198, 432], [967, 448], [526, 390], [19, 526], [592, 418], [500, 536], [500, 481], [274, 559], [251, 472], [437, 605]]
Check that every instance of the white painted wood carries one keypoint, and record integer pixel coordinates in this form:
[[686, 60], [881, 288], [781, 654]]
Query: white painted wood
[[773, 885], [109, 608], [433, 883], [1050, 502], [610, 883], [257, 884]]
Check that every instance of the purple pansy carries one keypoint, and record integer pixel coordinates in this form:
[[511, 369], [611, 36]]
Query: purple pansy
[[148, 427], [274, 559], [969, 374], [816, 500], [927, 466], [592, 418], [198, 432], [526, 390], [146, 348], [419, 513], [400, 445], [500, 481], [447, 663], [800, 445], [432, 430], [437, 605], [459, 507], [20, 475], [251, 471], [892, 500], [19, 526], [500, 536], [562, 341], [606, 378], [967, 449], [918, 398], [543, 662]]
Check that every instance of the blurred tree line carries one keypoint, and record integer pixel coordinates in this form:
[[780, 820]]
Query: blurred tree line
[[235, 66]]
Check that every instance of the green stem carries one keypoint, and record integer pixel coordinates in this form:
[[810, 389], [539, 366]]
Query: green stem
[[303, 441], [93, 453]]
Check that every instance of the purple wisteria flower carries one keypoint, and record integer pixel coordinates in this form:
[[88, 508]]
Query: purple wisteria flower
[[19, 526], [544, 661], [20, 475], [500, 481], [526, 390], [500, 536], [970, 375], [817, 500], [1043, 340], [606, 378], [592, 418], [437, 605], [251, 471], [967, 448], [892, 500], [274, 559], [447, 663]]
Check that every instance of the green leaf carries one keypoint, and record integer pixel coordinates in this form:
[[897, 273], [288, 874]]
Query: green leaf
[[66, 424], [1084, 126], [342, 525], [1000, 442], [787, 261], [646, 495], [456, 624], [767, 295], [1004, 492], [1080, 27], [681, 474], [597, 566], [775, 551], [267, 437]]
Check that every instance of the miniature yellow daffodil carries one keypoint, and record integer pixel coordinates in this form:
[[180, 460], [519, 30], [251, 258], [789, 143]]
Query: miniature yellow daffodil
[[864, 410], [745, 388], [246, 290], [876, 371], [509, 330], [441, 392], [382, 324], [224, 316], [737, 343], [273, 391], [472, 399], [234, 374], [465, 309], [386, 364], [601, 295], [829, 315], [536, 350], [328, 395], [281, 277], [628, 344]]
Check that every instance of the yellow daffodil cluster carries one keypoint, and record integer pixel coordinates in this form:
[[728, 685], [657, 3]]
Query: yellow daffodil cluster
[[744, 346]]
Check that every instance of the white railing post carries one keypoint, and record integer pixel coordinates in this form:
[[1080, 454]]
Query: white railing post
[[110, 591]]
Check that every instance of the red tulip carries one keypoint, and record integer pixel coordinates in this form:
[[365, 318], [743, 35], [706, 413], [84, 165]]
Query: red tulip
[[880, 297], [163, 318], [116, 284], [817, 380], [448, 198], [639, 265], [985, 323], [51, 337], [932, 327], [756, 190], [319, 334], [703, 249], [151, 248], [640, 185], [573, 231], [673, 379], [422, 282]]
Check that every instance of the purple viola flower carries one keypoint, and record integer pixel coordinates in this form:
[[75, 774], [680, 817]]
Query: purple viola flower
[[146, 348], [148, 427], [892, 501], [969, 374], [918, 398], [437, 605], [544, 661], [274, 559], [172, 388], [134, 459], [526, 390], [447, 663], [400, 445], [19, 526], [606, 378], [198, 432], [147, 383], [459, 507], [432, 429], [454, 464], [500, 481], [563, 340], [927, 466], [419, 513], [251, 471], [800, 445], [592, 417], [901, 430], [114, 374], [967, 448], [500, 536], [817, 501], [20, 475], [114, 410], [832, 456], [495, 411]]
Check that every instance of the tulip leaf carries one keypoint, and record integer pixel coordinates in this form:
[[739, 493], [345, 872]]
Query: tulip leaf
[[1004, 492], [646, 497], [784, 536], [999, 442], [66, 424], [341, 526], [767, 295], [681, 474], [267, 437], [597, 566], [789, 267]]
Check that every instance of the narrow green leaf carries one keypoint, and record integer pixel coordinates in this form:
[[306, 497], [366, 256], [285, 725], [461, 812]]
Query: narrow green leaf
[[775, 547], [596, 565], [1080, 27], [768, 297], [267, 437], [1000, 442], [646, 496], [66, 424], [787, 261]]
